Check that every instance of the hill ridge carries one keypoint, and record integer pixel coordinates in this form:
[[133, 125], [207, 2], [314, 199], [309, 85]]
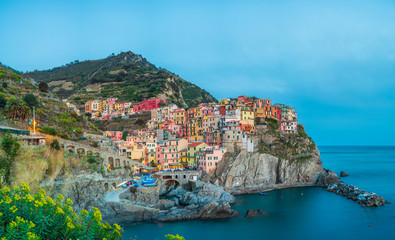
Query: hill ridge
[[127, 76]]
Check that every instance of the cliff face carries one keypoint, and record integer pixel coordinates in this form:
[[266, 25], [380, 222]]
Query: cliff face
[[278, 161], [256, 170]]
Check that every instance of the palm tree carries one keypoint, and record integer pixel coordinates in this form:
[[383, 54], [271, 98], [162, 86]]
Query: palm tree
[[17, 110]]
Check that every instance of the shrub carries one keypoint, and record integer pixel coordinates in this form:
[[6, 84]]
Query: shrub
[[24, 216], [4, 84], [55, 145], [11, 147], [272, 123], [95, 144], [43, 87], [49, 130], [174, 237]]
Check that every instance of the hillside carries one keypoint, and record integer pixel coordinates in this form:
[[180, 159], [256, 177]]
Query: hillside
[[52, 115], [127, 76]]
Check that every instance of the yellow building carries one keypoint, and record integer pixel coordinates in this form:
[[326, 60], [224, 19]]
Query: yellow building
[[247, 115], [224, 102], [193, 149], [180, 117], [151, 152]]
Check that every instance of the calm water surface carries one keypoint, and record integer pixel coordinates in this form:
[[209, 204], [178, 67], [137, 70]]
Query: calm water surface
[[304, 213]]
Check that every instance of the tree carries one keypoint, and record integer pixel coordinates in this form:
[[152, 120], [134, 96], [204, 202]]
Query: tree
[[30, 100], [11, 147], [3, 102], [162, 104], [152, 163], [43, 87], [55, 144], [17, 109], [124, 135], [4, 84], [38, 216]]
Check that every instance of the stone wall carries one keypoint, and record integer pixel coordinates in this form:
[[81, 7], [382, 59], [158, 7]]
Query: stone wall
[[142, 196]]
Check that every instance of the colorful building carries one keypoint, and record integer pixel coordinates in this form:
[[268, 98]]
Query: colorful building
[[193, 149], [209, 158], [150, 104], [289, 127]]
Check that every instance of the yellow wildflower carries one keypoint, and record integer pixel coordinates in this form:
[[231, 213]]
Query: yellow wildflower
[[25, 187], [59, 210], [17, 197], [31, 224], [68, 201], [13, 209], [70, 225]]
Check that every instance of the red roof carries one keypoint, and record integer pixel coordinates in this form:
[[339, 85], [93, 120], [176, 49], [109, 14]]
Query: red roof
[[194, 144]]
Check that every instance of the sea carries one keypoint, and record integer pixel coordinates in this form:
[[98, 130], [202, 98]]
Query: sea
[[303, 213]]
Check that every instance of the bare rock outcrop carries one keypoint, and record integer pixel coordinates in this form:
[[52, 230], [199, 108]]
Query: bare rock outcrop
[[255, 170]]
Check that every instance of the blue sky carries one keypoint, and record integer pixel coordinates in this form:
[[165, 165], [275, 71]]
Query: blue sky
[[331, 60]]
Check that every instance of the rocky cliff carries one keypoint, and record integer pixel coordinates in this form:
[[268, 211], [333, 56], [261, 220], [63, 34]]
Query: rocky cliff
[[279, 161], [87, 190]]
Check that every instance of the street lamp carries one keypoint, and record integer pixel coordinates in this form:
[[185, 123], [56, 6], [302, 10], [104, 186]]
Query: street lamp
[[34, 121]]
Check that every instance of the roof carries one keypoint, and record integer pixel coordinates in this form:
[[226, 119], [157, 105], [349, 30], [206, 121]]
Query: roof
[[149, 168], [32, 137], [194, 144]]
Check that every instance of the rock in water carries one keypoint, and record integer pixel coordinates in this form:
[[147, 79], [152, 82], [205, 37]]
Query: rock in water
[[365, 199], [343, 174], [253, 213]]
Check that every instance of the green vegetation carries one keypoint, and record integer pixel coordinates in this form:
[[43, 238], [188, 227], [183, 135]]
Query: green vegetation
[[295, 148], [273, 124], [174, 237], [124, 135], [30, 100], [10, 147], [33, 217], [17, 109], [17, 97], [3, 102], [126, 76]]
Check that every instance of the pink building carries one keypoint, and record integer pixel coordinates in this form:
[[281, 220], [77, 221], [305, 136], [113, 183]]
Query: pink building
[[260, 103], [117, 136], [149, 104], [242, 98], [166, 155], [212, 138], [111, 100], [289, 127], [206, 111], [209, 158]]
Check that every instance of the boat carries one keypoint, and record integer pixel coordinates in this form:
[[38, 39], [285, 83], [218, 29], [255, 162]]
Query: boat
[[262, 193], [151, 185], [124, 185], [148, 182]]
